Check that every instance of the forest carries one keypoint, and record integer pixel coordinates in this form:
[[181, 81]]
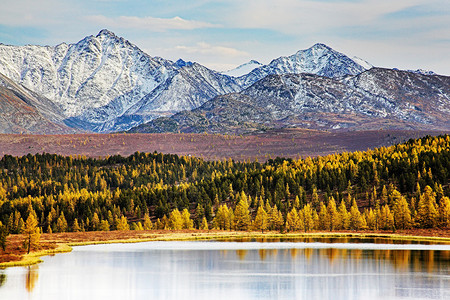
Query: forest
[[388, 188]]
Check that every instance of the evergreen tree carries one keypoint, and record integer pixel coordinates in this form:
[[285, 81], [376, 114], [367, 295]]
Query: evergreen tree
[[3, 236]]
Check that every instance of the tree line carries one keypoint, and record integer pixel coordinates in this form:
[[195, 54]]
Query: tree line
[[387, 188]]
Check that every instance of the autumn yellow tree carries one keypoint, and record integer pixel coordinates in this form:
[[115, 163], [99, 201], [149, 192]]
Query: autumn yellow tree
[[175, 220], [122, 224], [148, 225], [386, 218], [356, 220], [402, 214], [261, 219], [427, 214], [76, 226], [61, 223], [104, 225], [204, 224], [344, 216], [306, 214], [444, 212], [242, 215], [333, 220], [276, 219], [187, 223], [222, 218], [32, 233], [293, 220]]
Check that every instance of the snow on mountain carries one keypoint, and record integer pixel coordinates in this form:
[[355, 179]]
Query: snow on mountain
[[101, 77], [243, 69], [104, 83], [87, 75], [319, 59], [366, 65], [377, 98]]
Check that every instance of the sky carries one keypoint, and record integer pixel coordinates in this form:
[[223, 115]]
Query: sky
[[222, 34]]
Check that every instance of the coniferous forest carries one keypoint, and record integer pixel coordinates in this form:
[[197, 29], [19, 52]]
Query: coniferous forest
[[388, 188]]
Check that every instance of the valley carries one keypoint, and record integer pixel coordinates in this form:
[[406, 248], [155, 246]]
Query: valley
[[288, 143]]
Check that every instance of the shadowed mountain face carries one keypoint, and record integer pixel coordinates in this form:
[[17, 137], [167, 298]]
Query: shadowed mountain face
[[375, 99], [22, 111], [104, 83]]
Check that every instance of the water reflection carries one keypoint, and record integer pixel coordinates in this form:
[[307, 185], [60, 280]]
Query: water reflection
[[177, 270], [31, 277], [2, 279]]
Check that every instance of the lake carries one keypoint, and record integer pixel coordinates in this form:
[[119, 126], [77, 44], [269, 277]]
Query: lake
[[273, 269]]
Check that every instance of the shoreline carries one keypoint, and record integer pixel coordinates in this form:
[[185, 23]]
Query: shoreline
[[63, 243]]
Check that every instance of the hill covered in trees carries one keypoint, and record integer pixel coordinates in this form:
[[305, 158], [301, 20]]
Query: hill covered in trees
[[401, 186]]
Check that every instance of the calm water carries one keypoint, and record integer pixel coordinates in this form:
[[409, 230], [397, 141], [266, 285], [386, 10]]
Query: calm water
[[236, 270]]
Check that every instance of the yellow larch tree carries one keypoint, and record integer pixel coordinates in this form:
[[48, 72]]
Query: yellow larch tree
[[32, 233], [261, 219]]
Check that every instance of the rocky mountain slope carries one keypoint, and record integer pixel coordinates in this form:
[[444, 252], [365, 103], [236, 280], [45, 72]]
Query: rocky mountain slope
[[22, 111], [103, 78], [377, 98], [319, 59], [104, 83]]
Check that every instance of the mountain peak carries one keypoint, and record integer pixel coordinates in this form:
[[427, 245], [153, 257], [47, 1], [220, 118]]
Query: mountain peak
[[320, 46], [106, 33], [181, 63]]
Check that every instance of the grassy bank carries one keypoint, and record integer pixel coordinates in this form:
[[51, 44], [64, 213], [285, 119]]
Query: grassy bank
[[63, 242]]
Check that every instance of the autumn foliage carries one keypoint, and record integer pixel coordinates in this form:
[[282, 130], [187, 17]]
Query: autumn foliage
[[388, 188]]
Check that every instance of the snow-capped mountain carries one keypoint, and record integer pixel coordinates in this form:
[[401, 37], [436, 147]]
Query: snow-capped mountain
[[96, 81], [377, 98], [104, 83], [319, 59], [243, 69]]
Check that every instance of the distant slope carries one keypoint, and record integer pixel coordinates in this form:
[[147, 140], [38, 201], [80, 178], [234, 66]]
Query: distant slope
[[375, 99], [24, 112], [319, 59], [243, 69], [284, 143]]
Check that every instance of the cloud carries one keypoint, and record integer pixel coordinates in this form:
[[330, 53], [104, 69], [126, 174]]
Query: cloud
[[207, 49], [150, 23], [309, 17]]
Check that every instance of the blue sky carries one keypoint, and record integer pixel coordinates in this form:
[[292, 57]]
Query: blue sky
[[221, 34]]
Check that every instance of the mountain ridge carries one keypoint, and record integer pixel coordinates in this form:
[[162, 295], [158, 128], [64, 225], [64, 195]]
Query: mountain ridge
[[104, 83], [375, 99]]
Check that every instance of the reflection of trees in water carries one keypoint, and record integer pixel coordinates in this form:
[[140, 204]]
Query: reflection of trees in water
[[241, 254], [31, 277], [418, 261], [2, 279]]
